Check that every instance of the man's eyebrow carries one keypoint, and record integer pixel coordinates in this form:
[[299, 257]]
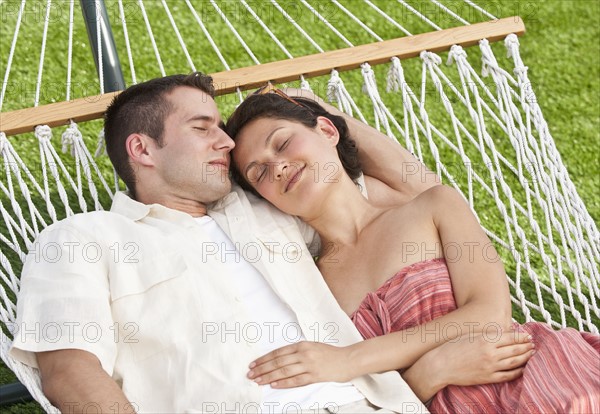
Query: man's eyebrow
[[200, 118]]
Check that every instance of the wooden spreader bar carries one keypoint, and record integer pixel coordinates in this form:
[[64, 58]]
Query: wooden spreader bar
[[93, 107]]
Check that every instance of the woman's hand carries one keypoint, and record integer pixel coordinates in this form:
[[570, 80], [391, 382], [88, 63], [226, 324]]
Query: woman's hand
[[470, 360], [481, 359], [301, 364]]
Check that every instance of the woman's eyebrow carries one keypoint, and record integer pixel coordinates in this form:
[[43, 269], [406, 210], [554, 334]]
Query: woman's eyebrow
[[268, 140]]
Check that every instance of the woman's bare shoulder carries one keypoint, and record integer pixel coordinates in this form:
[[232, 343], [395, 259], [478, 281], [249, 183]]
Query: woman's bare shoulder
[[444, 204], [432, 202], [381, 195], [439, 193]]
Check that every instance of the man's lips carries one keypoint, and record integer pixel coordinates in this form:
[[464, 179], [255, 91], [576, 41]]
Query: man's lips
[[220, 163], [295, 178]]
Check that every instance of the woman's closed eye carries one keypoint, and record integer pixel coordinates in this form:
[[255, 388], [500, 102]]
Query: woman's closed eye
[[256, 174], [262, 172], [283, 145]]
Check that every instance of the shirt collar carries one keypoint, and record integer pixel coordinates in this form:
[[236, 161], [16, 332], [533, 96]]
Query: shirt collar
[[126, 206], [230, 198]]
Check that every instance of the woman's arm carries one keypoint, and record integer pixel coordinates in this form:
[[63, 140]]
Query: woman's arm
[[476, 270], [470, 360], [478, 282], [479, 285]]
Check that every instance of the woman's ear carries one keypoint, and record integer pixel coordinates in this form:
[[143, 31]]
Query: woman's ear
[[328, 129], [140, 149]]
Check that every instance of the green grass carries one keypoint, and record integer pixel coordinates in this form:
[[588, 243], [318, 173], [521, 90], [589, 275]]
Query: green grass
[[560, 49]]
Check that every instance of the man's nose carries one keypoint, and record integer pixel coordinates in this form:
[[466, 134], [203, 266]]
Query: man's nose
[[224, 141]]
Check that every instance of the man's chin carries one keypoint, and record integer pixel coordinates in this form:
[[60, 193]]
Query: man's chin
[[215, 193]]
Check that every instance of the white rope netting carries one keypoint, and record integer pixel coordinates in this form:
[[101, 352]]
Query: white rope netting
[[480, 130]]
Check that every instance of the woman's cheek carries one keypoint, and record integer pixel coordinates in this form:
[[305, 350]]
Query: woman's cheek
[[265, 189]]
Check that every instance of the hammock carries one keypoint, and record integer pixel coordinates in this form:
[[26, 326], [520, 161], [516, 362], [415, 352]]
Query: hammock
[[481, 131]]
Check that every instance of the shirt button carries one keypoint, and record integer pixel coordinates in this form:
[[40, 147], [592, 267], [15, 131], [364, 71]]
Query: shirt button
[[237, 299]]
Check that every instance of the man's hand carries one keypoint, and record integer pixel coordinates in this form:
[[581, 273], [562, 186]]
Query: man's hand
[[74, 381], [301, 364]]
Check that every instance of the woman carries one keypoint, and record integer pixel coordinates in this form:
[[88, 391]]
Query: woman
[[420, 278]]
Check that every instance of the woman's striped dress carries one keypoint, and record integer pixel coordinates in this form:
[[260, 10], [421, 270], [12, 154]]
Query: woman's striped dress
[[562, 377]]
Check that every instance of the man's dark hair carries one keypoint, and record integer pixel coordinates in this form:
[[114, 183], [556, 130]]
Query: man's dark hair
[[302, 110], [143, 109]]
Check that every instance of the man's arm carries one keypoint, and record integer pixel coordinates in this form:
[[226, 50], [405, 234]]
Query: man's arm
[[69, 291], [74, 381], [380, 157]]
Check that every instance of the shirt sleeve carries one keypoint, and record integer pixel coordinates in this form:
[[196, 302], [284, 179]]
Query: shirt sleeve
[[64, 299]]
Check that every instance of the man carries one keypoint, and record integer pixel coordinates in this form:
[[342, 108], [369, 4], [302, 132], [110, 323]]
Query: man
[[160, 304]]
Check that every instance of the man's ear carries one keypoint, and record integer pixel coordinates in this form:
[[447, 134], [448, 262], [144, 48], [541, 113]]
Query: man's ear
[[328, 129], [140, 149]]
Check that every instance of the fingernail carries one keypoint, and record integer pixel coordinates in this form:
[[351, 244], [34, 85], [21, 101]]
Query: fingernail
[[529, 338], [252, 365], [258, 380], [250, 374], [273, 384], [532, 351]]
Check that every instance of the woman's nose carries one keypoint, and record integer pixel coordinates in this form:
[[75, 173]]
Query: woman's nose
[[280, 169]]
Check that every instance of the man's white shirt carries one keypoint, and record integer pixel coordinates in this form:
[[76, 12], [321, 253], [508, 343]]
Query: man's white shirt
[[146, 289]]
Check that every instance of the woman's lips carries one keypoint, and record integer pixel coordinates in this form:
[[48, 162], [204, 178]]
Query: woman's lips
[[296, 177]]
